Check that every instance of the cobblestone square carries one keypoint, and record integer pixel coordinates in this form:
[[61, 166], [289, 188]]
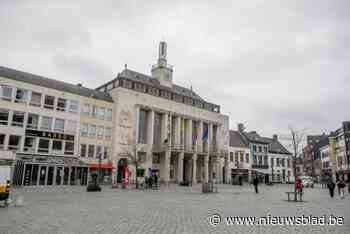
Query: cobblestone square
[[169, 210]]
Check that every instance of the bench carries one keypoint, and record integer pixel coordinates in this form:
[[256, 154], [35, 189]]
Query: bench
[[299, 194]]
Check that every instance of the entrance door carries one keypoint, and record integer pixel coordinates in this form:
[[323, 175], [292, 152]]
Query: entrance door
[[120, 173], [42, 178]]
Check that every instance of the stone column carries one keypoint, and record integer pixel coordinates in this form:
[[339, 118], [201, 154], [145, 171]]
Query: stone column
[[137, 119], [46, 174], [37, 182], [206, 168], [194, 170], [200, 136], [167, 167], [180, 167], [189, 134], [150, 133], [54, 175], [69, 172], [210, 136], [177, 130]]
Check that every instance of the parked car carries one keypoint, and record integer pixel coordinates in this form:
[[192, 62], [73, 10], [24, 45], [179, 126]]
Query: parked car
[[308, 181]]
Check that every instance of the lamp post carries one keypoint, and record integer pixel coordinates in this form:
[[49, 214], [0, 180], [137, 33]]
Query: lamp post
[[99, 167]]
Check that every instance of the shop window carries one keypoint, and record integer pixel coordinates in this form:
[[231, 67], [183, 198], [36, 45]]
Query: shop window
[[46, 123], [2, 141], [92, 130], [43, 145], [101, 113], [49, 102], [59, 125], [32, 121], [18, 119], [100, 132], [29, 144], [69, 148], [91, 151], [73, 106], [82, 150], [21, 96], [4, 116], [14, 142], [84, 129], [109, 114], [61, 104], [108, 133], [35, 99], [6, 92], [57, 146]]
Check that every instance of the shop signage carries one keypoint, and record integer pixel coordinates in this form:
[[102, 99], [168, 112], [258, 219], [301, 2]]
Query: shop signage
[[51, 135]]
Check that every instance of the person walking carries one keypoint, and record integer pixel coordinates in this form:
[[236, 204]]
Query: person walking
[[338, 182], [156, 180], [240, 180], [331, 187], [341, 186], [299, 185], [256, 183]]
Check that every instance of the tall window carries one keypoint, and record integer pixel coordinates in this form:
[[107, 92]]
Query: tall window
[[49, 102], [92, 130], [100, 132], [57, 146], [106, 152], [82, 150], [21, 95], [231, 156], [6, 92], [43, 145], [94, 111], [254, 148], [260, 148], [236, 159], [265, 160], [108, 133], [101, 113], [2, 141], [73, 106], [86, 109], [241, 157], [260, 160], [288, 162], [255, 159], [35, 99], [157, 127], [46, 123], [142, 127], [272, 162], [59, 125], [84, 129], [61, 104], [32, 121], [247, 158], [14, 142], [91, 151], [4, 116], [98, 151], [18, 119], [109, 114], [69, 148]]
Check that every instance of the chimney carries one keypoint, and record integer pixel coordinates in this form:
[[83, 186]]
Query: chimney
[[275, 137], [240, 127]]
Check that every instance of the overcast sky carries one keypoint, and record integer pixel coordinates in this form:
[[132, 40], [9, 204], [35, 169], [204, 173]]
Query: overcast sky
[[269, 64]]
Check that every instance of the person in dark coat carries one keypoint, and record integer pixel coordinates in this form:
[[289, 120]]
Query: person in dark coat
[[341, 186], [156, 180], [240, 180], [331, 187], [256, 183]]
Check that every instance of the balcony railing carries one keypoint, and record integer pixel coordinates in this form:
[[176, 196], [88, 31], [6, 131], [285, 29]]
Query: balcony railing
[[177, 147], [260, 166]]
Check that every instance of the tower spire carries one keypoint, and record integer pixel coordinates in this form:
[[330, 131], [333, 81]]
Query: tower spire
[[162, 61]]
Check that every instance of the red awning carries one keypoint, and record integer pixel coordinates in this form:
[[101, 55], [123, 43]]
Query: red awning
[[103, 165]]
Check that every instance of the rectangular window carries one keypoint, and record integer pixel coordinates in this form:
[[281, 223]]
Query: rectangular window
[[260, 148], [260, 160], [101, 113], [14, 142], [71, 126], [92, 130], [84, 129], [108, 133], [32, 121], [29, 144], [265, 160], [35, 99], [69, 148], [288, 163], [49, 102], [142, 127], [231, 156], [2, 141], [59, 125], [4, 116], [21, 95], [43, 145], [254, 148], [57, 146], [241, 157], [100, 132], [109, 114], [61, 104], [272, 162], [86, 110], [94, 111], [98, 151], [18, 119], [6, 92], [106, 152], [265, 149], [254, 159], [247, 158], [46, 123], [236, 159], [91, 151], [73, 106], [83, 150]]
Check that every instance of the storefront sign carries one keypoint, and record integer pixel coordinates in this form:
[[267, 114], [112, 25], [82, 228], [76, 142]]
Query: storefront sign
[[51, 135]]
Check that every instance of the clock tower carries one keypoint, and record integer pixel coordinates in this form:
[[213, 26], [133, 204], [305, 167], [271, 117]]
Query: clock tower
[[162, 71]]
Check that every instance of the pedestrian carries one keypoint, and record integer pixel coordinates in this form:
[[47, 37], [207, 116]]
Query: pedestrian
[[299, 185], [331, 187], [156, 180], [341, 186], [240, 180], [338, 182], [150, 182], [256, 183]]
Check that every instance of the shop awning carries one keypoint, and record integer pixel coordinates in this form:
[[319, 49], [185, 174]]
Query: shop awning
[[103, 165]]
